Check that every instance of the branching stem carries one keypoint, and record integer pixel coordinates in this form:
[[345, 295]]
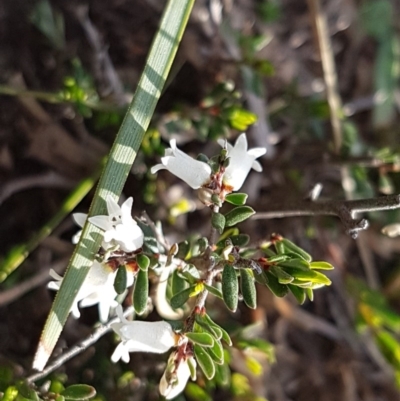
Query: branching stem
[[78, 348], [346, 210]]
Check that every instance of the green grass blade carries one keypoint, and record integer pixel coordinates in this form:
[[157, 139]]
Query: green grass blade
[[119, 163]]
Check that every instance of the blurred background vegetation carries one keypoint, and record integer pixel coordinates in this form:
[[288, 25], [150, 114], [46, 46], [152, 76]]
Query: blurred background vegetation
[[326, 104]]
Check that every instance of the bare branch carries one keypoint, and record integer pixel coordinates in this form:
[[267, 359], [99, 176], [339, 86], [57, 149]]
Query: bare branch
[[346, 210]]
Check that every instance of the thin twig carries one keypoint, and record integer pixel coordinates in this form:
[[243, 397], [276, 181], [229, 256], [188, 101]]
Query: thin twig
[[344, 209], [17, 291], [79, 348]]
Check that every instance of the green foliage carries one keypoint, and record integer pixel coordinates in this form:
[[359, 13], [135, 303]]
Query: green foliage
[[237, 199], [121, 280], [383, 323], [237, 215], [141, 292], [230, 287]]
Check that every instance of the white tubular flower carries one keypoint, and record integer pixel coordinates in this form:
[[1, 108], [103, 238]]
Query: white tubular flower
[[176, 376], [98, 288], [194, 172], [138, 336], [119, 227], [241, 162]]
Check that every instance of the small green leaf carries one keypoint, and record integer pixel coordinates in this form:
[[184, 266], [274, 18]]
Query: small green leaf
[[121, 280], [203, 339], [78, 392], [26, 391], [205, 362], [295, 264], [181, 297], [224, 334], [299, 293], [248, 288], [141, 292], [230, 287], [291, 247], [194, 392], [216, 352], [184, 248], [310, 293], [278, 289], [312, 276], [240, 119], [281, 275], [237, 215], [237, 199], [202, 243], [278, 258], [261, 278], [218, 222], [202, 326], [223, 373], [321, 265], [143, 261], [240, 240], [215, 291], [178, 283]]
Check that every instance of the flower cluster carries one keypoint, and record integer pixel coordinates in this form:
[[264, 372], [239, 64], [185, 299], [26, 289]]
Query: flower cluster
[[198, 174], [121, 232], [122, 247]]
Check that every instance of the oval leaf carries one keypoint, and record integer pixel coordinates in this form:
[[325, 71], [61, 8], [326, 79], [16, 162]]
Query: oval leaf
[[214, 330], [216, 352], [237, 215], [218, 222], [282, 276], [215, 291], [143, 261], [237, 199], [248, 288], [299, 293], [289, 246], [321, 265], [79, 392], [203, 339], [180, 298], [178, 283], [278, 289], [230, 287], [224, 334], [299, 264], [205, 361], [141, 292], [121, 280]]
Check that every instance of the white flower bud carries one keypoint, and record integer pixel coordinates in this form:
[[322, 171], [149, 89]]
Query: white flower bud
[[176, 376]]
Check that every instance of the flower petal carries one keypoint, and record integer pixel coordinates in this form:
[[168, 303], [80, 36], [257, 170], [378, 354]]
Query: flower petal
[[102, 222], [80, 218], [113, 208]]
